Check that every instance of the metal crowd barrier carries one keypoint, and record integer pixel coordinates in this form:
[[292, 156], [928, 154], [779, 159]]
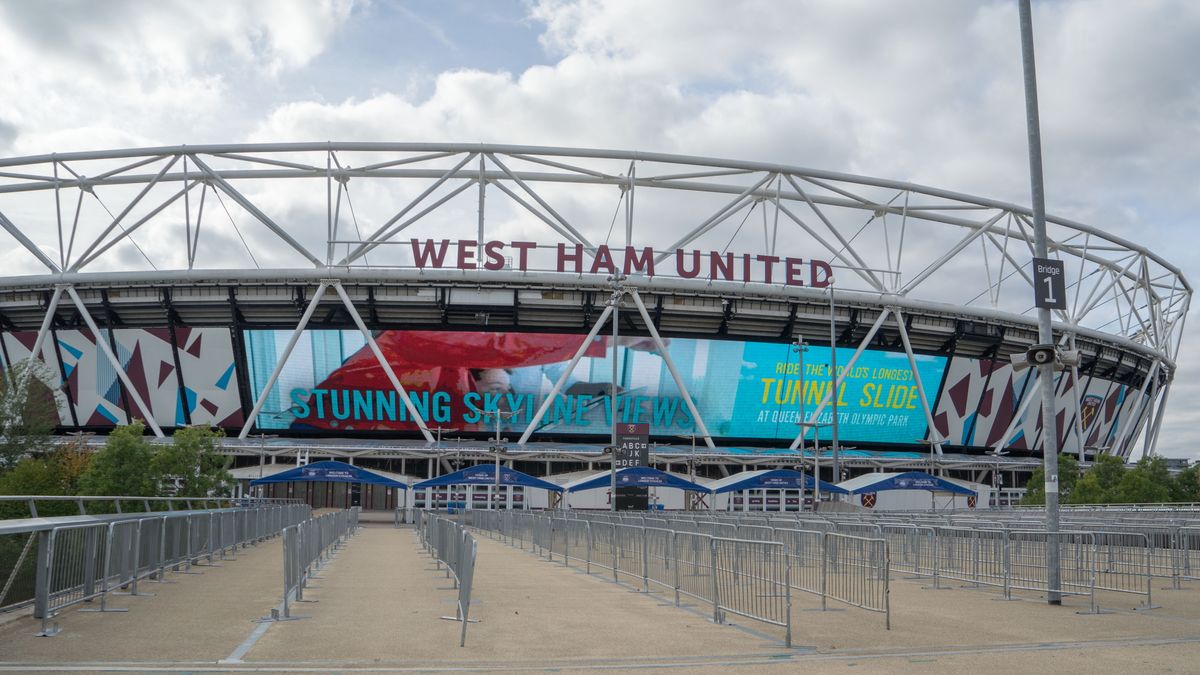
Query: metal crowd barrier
[[855, 571], [861, 568], [1130, 547], [79, 563], [450, 544], [307, 547], [750, 579], [744, 578], [1116, 551]]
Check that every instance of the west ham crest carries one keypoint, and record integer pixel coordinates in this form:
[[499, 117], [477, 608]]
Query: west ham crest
[[1088, 408]]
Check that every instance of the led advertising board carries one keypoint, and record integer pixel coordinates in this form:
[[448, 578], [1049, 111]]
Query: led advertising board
[[752, 390]]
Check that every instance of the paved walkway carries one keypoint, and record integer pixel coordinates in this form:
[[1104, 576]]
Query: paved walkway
[[379, 602]]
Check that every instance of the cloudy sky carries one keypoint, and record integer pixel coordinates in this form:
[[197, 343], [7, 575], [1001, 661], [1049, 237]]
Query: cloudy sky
[[922, 91]]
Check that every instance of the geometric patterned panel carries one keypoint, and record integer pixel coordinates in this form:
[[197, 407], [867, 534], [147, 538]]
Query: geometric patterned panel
[[980, 398], [18, 346], [95, 388], [212, 396], [978, 402]]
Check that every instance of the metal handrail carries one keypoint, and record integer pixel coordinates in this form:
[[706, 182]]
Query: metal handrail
[[79, 558], [32, 500]]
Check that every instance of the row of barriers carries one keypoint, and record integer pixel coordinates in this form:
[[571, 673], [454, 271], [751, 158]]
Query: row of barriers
[[1098, 552], [850, 569], [451, 545], [750, 578], [848, 557], [80, 563], [1124, 553], [307, 547]]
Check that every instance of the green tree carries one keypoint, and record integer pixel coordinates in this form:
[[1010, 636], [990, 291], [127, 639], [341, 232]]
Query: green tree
[[1099, 484], [124, 466], [1186, 485], [28, 411], [192, 466], [1148, 482], [56, 473], [1068, 476]]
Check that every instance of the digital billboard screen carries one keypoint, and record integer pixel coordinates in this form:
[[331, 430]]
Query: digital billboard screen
[[754, 390]]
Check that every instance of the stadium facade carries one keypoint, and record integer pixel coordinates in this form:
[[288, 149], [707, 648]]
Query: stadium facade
[[255, 287]]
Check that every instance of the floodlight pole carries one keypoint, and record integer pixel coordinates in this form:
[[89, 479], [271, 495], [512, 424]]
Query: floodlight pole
[[262, 452], [1045, 329], [799, 346], [804, 426], [618, 293], [691, 462], [833, 381], [437, 448], [496, 488]]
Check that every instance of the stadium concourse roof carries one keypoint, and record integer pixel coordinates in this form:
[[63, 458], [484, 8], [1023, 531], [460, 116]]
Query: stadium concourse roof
[[639, 476], [484, 474], [588, 452], [255, 471], [911, 480], [345, 448], [771, 479], [333, 472]]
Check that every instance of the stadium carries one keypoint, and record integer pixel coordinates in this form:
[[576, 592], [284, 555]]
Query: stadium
[[417, 307]]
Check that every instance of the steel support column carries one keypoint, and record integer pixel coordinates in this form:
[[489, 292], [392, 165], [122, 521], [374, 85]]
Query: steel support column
[[47, 320], [287, 351], [883, 315], [116, 363], [666, 356], [562, 379], [383, 362], [1152, 438], [1123, 426], [935, 435]]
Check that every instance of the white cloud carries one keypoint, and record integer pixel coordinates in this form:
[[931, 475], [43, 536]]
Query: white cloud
[[136, 72]]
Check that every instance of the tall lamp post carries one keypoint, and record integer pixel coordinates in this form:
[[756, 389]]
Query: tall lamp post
[[432, 468], [437, 447], [816, 459], [691, 460], [932, 464], [1045, 327], [497, 448], [618, 294], [932, 448], [262, 454], [799, 346], [833, 381]]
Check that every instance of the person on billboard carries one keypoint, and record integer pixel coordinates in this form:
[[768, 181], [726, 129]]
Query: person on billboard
[[456, 364]]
